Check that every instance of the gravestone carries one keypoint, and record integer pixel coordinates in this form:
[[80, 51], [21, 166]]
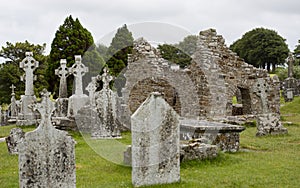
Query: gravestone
[[91, 88], [290, 61], [27, 116], [291, 85], [13, 106], [46, 155], [155, 143], [261, 89], [62, 101], [78, 99], [12, 141], [106, 120]]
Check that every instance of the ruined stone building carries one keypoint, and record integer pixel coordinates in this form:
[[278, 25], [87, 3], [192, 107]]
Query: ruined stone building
[[203, 90]]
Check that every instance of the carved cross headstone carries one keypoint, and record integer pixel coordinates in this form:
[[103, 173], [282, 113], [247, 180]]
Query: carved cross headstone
[[29, 64], [46, 155], [78, 70], [63, 73], [91, 88], [106, 78], [261, 88], [12, 87], [290, 61], [13, 104]]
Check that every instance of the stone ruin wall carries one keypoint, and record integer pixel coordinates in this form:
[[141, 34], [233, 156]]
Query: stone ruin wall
[[226, 73], [147, 72], [205, 88]]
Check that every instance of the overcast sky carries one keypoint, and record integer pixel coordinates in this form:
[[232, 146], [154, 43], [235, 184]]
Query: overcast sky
[[38, 20]]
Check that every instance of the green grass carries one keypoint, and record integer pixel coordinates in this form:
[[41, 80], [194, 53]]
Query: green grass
[[290, 111], [271, 161]]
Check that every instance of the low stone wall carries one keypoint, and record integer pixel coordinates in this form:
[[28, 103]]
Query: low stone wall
[[197, 150]]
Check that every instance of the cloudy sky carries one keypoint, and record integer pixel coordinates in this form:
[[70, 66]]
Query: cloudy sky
[[37, 21]]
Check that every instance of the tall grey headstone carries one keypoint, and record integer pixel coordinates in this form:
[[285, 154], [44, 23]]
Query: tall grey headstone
[[261, 89], [106, 126], [63, 73], [62, 101], [155, 143], [46, 155], [78, 99], [13, 105], [91, 88], [27, 116], [290, 61], [29, 64]]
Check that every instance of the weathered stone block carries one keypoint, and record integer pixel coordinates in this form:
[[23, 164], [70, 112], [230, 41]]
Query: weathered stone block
[[269, 124], [12, 141]]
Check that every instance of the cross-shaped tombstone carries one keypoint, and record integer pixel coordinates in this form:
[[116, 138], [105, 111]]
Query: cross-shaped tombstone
[[29, 64], [106, 78], [13, 104], [46, 155], [91, 88], [46, 108], [261, 88], [12, 87], [78, 70], [63, 73], [290, 61]]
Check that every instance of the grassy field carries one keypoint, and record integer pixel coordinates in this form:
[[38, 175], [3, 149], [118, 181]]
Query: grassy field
[[271, 161]]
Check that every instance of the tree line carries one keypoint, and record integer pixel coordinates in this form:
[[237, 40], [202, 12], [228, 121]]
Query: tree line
[[260, 47]]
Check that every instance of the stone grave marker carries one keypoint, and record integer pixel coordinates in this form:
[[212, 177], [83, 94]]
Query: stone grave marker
[[13, 106], [62, 101], [78, 99], [155, 143], [106, 126], [91, 88], [46, 155], [12, 141], [27, 116]]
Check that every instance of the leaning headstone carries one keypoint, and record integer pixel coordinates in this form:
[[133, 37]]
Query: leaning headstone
[[78, 99], [269, 124], [46, 155], [155, 143], [12, 141], [62, 101], [27, 116]]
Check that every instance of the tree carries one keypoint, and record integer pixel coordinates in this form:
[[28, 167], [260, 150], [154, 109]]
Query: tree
[[102, 50], [188, 45], [94, 61], [175, 55], [297, 53], [119, 49], [70, 39], [10, 72], [262, 48], [282, 72]]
